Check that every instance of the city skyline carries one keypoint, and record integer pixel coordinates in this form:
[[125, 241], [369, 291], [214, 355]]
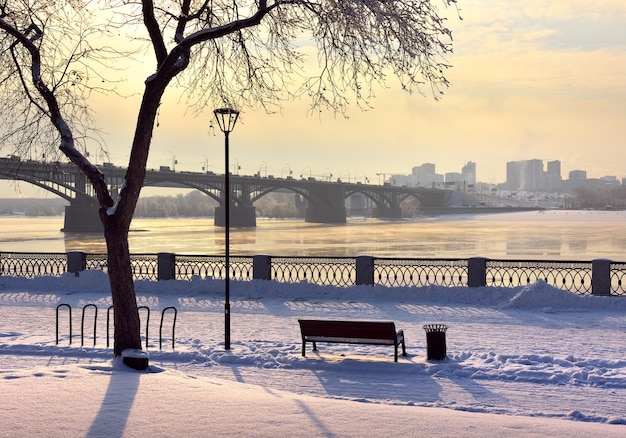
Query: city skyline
[[465, 176], [530, 80]]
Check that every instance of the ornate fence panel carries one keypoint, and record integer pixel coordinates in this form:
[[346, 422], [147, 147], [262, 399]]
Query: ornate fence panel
[[144, 266], [423, 272], [618, 279], [23, 264], [188, 266], [96, 261], [318, 270], [570, 276]]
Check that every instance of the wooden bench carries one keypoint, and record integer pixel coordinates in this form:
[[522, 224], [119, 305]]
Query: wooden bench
[[351, 332]]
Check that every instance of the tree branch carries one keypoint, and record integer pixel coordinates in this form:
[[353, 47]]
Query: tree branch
[[152, 26], [67, 145]]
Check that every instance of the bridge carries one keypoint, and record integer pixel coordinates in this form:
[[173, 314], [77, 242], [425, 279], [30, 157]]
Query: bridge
[[324, 201]]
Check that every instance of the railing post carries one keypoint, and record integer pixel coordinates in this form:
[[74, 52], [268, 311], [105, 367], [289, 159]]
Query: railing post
[[262, 267], [477, 272], [365, 270], [76, 262], [601, 277], [166, 266]]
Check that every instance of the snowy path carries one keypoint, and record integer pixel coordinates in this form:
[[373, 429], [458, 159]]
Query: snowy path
[[513, 352]]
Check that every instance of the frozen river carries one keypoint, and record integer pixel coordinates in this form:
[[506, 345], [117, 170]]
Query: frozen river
[[546, 235]]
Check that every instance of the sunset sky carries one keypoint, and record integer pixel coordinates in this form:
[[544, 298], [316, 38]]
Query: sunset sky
[[531, 80]]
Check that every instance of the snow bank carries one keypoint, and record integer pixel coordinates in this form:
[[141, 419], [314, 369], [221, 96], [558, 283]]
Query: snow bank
[[535, 296], [540, 295], [532, 352]]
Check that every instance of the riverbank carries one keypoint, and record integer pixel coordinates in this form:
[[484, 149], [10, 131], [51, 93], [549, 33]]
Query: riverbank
[[523, 362]]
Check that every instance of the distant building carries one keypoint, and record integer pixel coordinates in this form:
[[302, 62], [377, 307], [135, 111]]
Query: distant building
[[529, 176], [554, 168], [400, 180], [513, 175], [609, 178], [469, 173], [425, 176], [525, 175], [552, 180], [577, 175]]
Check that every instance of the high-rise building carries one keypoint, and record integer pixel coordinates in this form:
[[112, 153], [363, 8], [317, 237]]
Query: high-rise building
[[469, 173], [513, 175], [554, 168], [425, 176], [552, 180], [531, 175], [525, 175]]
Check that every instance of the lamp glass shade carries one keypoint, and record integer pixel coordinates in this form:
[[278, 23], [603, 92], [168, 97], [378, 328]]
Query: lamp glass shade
[[226, 118]]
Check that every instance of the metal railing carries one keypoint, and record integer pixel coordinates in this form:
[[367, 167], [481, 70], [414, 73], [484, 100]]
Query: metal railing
[[26, 264], [330, 271], [189, 266], [573, 276], [418, 272]]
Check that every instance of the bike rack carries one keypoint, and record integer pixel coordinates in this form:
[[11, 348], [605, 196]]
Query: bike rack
[[173, 326], [69, 308], [108, 323], [147, 321], [82, 323], [108, 318]]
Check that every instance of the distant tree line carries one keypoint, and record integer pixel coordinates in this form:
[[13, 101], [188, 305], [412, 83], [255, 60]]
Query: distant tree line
[[193, 204], [196, 204], [273, 205], [32, 206], [595, 198]]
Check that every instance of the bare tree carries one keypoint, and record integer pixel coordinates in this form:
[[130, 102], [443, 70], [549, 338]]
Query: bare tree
[[53, 55]]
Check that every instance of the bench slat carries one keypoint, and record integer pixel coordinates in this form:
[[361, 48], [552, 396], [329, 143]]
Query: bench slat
[[349, 329], [340, 340], [351, 332]]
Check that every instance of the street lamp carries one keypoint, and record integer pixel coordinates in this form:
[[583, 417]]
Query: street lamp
[[226, 119], [174, 161]]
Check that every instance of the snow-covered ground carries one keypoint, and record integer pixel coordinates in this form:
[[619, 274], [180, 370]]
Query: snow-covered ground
[[533, 361]]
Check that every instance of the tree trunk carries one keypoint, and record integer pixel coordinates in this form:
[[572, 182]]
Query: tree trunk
[[126, 317]]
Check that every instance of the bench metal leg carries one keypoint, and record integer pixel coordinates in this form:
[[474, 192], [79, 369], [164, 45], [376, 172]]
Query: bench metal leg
[[304, 347], [396, 351]]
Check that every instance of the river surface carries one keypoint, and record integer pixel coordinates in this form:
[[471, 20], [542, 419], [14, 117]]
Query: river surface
[[547, 235]]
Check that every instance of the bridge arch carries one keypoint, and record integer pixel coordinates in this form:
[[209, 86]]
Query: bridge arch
[[326, 201]]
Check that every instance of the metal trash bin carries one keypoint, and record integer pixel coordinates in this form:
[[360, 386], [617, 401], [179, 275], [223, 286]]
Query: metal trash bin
[[436, 341]]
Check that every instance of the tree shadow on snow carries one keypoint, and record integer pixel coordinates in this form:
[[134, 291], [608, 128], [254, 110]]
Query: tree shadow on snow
[[366, 379], [117, 403]]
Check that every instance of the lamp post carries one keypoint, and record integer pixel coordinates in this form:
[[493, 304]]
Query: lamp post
[[226, 119]]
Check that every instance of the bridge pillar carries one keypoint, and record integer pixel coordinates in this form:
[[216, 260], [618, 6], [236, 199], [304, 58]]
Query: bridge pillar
[[331, 207], [240, 216], [326, 215], [82, 217], [387, 212]]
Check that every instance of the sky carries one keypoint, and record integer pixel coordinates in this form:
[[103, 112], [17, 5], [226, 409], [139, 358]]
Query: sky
[[531, 361], [530, 80]]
